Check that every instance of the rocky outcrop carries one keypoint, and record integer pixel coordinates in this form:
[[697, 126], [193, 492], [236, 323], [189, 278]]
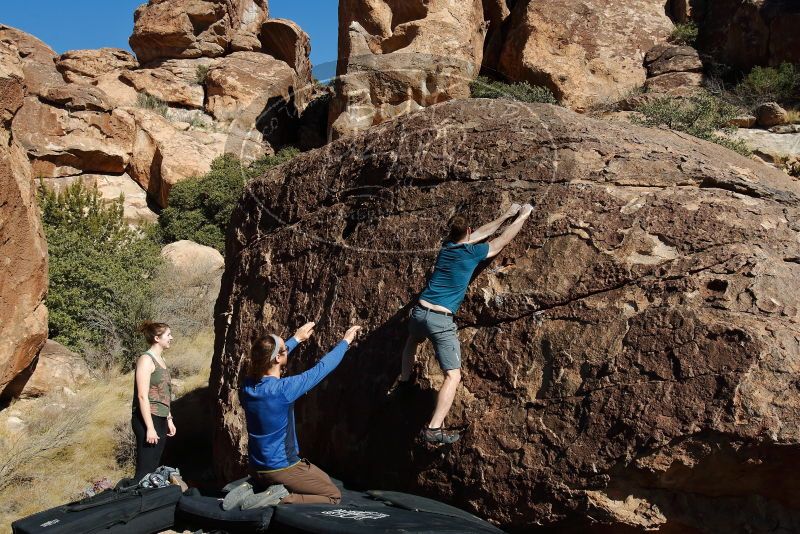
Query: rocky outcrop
[[162, 156], [196, 28], [241, 85], [585, 52], [84, 66], [56, 368], [65, 142], [770, 114], [746, 33], [36, 59], [398, 57], [174, 81], [628, 360], [673, 70], [23, 251], [286, 41]]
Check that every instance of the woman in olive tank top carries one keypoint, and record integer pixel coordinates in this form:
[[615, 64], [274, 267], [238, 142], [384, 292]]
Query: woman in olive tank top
[[152, 393]]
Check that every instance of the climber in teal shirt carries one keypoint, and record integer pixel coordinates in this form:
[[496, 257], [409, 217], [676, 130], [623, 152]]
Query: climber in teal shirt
[[432, 316]]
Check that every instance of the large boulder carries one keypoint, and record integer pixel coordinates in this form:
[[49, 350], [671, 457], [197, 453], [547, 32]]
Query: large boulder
[[69, 138], [178, 82], [84, 66], [286, 41], [396, 57], [165, 29], [163, 155], [746, 33], [586, 52], [56, 368], [37, 60], [629, 360], [23, 250], [240, 86]]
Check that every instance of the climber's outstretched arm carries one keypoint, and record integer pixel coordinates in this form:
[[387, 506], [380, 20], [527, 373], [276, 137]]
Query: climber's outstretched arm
[[489, 229], [497, 244]]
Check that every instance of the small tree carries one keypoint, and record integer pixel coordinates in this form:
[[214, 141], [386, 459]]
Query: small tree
[[702, 115], [199, 208], [484, 87], [767, 84], [100, 271]]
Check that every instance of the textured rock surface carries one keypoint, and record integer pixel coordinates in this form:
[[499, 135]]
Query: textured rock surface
[[166, 29], [630, 359], [241, 84], [770, 114], [85, 65], [585, 52], [23, 251], [162, 155], [771, 147], [187, 255], [746, 33], [56, 368], [398, 57], [63, 142], [172, 81], [285, 40], [37, 60]]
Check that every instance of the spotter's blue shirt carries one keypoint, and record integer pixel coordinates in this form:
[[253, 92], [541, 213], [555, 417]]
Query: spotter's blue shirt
[[452, 273], [269, 410]]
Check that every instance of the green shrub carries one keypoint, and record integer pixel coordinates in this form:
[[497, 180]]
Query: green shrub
[[685, 33], [148, 101], [769, 84], [702, 115], [484, 87], [201, 73], [100, 272], [199, 208]]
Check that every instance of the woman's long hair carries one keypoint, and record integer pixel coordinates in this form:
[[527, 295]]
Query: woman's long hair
[[152, 330], [260, 357]]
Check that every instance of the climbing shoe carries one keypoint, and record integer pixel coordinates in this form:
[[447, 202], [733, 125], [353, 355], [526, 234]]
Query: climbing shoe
[[270, 497], [236, 496], [399, 387], [439, 435]]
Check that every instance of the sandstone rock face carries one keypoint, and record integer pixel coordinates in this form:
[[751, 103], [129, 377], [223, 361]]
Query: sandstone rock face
[[23, 251], [57, 368], [585, 52], [173, 81], [628, 359], [771, 147], [187, 256], [241, 84], [770, 114], [398, 57], [165, 29], [62, 142], [37, 60], [162, 155], [285, 40], [83, 66], [746, 33]]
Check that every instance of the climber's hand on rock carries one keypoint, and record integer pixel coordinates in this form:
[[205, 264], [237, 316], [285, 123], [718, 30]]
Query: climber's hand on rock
[[513, 210], [526, 210], [304, 332], [350, 335]]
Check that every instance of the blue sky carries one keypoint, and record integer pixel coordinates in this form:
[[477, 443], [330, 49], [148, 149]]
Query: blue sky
[[69, 25]]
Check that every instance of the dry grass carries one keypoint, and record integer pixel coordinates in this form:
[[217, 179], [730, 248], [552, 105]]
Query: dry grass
[[69, 442], [793, 116]]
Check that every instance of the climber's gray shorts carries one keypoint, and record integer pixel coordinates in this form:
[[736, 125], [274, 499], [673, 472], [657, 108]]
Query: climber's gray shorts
[[443, 333]]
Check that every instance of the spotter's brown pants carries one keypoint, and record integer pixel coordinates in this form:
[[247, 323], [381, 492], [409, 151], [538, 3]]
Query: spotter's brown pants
[[307, 484]]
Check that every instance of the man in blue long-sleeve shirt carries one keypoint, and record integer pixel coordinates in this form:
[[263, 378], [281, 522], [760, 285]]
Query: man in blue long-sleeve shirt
[[268, 400]]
